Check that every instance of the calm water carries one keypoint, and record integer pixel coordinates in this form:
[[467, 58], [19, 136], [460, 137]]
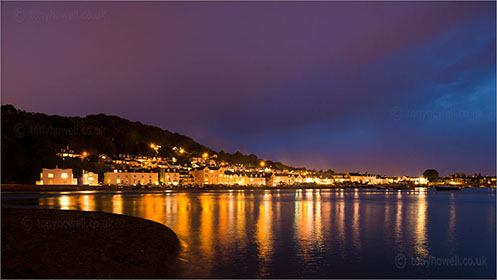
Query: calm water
[[311, 233]]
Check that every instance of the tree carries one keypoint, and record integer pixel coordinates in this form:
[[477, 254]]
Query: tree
[[431, 175]]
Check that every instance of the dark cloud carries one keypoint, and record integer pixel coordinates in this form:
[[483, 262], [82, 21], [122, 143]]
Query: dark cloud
[[390, 87]]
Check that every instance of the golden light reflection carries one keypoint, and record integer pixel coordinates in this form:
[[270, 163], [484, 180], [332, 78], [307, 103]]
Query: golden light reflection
[[308, 224], [117, 204], [87, 202], [206, 226], [65, 202], [356, 235], [420, 236], [340, 217], [398, 224], [264, 238]]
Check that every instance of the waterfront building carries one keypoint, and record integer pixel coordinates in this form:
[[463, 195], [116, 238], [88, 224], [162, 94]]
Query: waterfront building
[[169, 176], [186, 178], [256, 179], [207, 175], [57, 176], [281, 179], [89, 178], [120, 177]]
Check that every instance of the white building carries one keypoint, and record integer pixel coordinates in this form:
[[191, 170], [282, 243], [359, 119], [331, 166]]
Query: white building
[[119, 177], [57, 176], [89, 178]]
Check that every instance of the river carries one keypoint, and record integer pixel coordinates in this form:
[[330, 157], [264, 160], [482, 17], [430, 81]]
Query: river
[[310, 233]]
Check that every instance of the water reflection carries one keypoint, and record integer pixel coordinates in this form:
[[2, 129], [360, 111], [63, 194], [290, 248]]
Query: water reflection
[[253, 232], [452, 219], [264, 237], [421, 246]]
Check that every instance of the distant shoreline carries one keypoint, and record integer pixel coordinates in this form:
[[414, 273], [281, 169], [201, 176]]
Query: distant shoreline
[[43, 243]]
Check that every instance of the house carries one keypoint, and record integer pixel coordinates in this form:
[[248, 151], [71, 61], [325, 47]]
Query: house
[[89, 178], [281, 179], [186, 178], [197, 160], [120, 177], [207, 175], [256, 179], [57, 176], [169, 176], [234, 178], [70, 153]]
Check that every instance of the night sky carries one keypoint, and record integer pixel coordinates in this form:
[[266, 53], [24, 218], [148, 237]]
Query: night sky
[[384, 87]]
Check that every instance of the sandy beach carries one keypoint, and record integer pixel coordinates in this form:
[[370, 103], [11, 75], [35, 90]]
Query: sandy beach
[[75, 244]]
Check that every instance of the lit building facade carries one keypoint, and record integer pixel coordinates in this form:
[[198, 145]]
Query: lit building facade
[[169, 176], [208, 175], [89, 178], [57, 176], [118, 177]]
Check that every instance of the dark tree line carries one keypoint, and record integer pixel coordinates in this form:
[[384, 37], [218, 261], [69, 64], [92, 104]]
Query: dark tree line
[[30, 142]]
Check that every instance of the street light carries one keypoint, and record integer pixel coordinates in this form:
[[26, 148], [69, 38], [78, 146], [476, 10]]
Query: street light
[[155, 147]]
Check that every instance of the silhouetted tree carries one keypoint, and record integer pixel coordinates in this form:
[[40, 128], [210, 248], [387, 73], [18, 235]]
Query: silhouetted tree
[[431, 175]]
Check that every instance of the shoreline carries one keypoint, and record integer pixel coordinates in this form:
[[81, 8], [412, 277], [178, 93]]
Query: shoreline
[[46, 243], [16, 188]]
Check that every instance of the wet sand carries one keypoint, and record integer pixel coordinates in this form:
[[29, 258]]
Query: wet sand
[[42, 243]]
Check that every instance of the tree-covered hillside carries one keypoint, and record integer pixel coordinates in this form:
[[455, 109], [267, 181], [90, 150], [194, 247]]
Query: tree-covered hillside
[[30, 141]]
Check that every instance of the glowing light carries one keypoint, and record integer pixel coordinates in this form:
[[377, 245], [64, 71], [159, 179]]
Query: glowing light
[[262, 164], [64, 175], [205, 155]]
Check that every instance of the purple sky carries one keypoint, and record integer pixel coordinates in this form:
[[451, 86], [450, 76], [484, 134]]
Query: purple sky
[[384, 87]]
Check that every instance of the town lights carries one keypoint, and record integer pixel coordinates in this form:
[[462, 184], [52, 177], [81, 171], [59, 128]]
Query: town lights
[[181, 150], [262, 164], [85, 154], [205, 155], [155, 147]]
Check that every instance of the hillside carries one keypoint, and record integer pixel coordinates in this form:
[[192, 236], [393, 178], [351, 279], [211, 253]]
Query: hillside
[[31, 140]]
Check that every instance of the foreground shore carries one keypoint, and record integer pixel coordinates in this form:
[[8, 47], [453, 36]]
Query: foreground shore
[[42, 243]]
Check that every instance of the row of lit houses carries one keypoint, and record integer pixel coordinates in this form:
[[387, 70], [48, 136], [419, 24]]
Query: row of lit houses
[[211, 175]]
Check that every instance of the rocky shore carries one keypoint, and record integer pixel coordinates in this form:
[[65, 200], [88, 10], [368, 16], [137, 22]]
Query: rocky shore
[[42, 243]]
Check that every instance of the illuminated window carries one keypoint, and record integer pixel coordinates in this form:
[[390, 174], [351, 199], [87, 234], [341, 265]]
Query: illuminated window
[[118, 181], [50, 175], [64, 175]]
